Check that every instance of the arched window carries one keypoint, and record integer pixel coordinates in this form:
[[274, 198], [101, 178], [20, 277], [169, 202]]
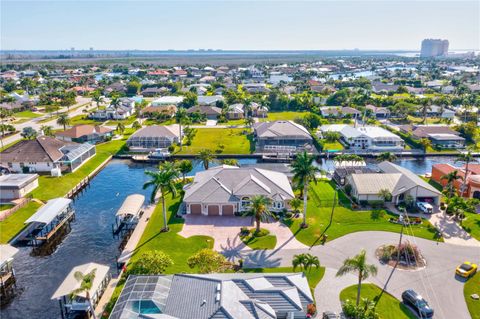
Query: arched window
[[245, 201]]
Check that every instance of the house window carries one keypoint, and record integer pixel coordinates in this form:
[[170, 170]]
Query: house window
[[245, 201], [279, 205]]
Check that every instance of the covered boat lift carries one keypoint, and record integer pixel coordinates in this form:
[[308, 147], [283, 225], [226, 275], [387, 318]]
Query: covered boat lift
[[7, 273], [129, 213], [74, 301], [47, 221]]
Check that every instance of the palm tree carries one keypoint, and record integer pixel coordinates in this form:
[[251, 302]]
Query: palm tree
[[86, 282], [359, 265], [249, 121], [184, 167], [259, 210], [136, 125], [120, 128], [425, 108], [304, 172], [426, 143], [386, 156], [64, 120], [385, 194], [115, 102], [305, 262], [180, 117], [466, 158], [164, 181], [97, 97], [451, 178], [206, 156], [47, 130]]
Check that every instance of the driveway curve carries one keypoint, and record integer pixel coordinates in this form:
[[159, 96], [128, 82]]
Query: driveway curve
[[437, 282]]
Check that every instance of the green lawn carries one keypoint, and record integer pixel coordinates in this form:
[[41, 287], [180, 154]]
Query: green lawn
[[158, 122], [83, 119], [388, 307], [127, 121], [234, 141], [472, 286], [314, 276], [332, 146], [471, 224], [15, 222], [174, 245], [27, 114], [51, 187], [258, 243], [290, 116], [345, 220], [234, 122]]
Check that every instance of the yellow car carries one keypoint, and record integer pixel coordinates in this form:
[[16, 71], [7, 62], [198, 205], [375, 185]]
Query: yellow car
[[466, 270]]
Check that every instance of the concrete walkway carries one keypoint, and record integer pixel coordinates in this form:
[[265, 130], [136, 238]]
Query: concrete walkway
[[452, 232], [225, 231], [125, 257], [327, 292]]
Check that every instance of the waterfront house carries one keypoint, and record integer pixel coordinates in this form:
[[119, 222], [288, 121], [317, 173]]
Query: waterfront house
[[45, 153], [85, 133], [366, 138], [15, 186], [282, 136], [153, 137], [380, 87], [472, 183], [235, 111], [399, 181], [74, 305], [235, 295], [227, 190], [441, 136]]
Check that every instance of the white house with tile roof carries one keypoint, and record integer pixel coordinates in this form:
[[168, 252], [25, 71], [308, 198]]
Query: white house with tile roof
[[226, 190]]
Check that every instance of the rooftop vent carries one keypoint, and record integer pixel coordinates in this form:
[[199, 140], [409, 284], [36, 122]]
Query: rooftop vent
[[217, 297]]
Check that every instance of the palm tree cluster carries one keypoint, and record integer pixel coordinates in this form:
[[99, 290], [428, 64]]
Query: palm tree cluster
[[305, 262]]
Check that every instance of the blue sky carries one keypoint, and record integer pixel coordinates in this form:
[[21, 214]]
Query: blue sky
[[237, 25]]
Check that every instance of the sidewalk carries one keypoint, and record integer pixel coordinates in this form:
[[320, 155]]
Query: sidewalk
[[452, 232], [125, 257]]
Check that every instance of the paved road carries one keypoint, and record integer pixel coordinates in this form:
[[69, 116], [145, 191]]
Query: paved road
[[437, 282], [35, 123]]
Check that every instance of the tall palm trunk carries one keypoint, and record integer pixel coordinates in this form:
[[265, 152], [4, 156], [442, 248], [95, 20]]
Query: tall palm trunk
[[257, 221], [465, 177], [305, 191], [90, 305], [359, 288], [180, 133], [164, 209]]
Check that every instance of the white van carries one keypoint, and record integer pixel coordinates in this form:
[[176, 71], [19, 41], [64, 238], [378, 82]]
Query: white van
[[425, 207]]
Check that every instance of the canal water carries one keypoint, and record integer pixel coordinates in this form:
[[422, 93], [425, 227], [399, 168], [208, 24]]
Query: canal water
[[91, 237]]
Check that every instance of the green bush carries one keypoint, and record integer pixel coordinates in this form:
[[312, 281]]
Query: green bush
[[261, 233]]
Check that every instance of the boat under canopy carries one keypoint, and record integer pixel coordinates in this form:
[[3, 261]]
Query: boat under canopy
[[47, 213], [131, 206]]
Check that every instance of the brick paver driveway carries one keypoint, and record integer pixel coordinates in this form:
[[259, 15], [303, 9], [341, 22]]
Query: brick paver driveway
[[225, 231]]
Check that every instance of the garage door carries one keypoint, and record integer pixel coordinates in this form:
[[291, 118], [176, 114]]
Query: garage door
[[213, 210], [196, 209], [227, 210]]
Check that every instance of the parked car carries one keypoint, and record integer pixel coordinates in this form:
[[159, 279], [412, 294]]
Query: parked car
[[413, 300], [425, 207], [466, 270]]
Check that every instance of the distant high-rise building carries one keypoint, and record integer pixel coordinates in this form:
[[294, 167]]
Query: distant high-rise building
[[434, 47]]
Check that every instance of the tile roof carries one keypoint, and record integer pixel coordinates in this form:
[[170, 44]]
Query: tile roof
[[41, 149], [281, 129], [227, 183], [82, 130]]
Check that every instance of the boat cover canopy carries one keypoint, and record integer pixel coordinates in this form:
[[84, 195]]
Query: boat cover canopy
[[71, 283], [6, 252], [131, 205], [49, 211]]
